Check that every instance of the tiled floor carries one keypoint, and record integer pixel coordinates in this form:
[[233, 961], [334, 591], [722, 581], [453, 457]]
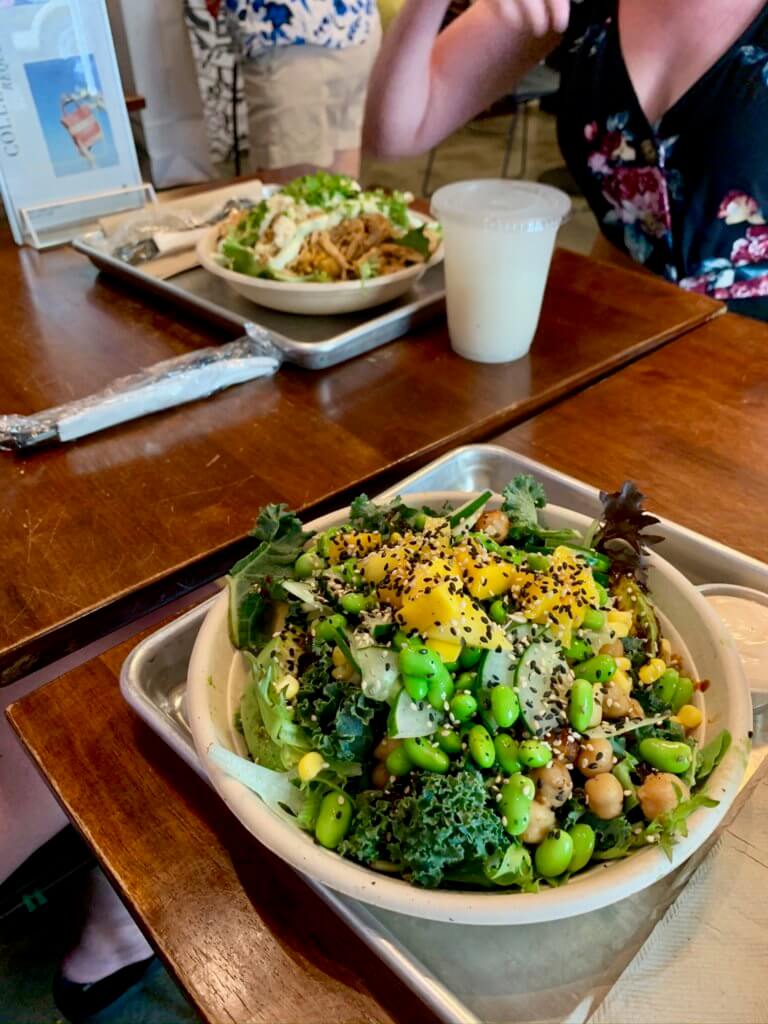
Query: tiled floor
[[31, 944]]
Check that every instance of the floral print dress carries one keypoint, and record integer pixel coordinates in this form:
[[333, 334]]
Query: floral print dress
[[688, 196]]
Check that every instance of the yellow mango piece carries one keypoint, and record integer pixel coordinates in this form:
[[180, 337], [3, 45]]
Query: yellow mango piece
[[442, 610], [378, 564], [424, 577], [448, 650], [352, 545], [490, 579], [559, 597]]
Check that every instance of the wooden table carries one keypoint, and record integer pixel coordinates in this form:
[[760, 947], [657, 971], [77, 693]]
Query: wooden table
[[689, 422], [158, 505]]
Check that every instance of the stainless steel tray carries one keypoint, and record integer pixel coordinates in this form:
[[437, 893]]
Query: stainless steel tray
[[462, 973], [314, 342]]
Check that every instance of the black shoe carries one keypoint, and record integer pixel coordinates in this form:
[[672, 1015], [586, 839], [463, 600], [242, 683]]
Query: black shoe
[[79, 1002]]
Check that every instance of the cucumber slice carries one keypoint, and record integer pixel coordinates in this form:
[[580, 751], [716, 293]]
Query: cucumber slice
[[497, 669], [536, 686], [409, 719], [378, 667]]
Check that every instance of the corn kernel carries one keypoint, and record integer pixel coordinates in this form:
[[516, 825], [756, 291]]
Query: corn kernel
[[665, 650], [310, 766], [338, 657], [619, 622], [622, 680], [624, 664], [652, 671], [288, 685], [689, 716]]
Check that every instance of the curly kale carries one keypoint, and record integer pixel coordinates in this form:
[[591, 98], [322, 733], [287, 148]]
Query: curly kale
[[613, 839], [522, 498], [339, 719], [370, 837], [365, 515]]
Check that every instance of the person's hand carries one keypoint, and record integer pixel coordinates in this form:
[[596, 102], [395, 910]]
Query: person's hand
[[539, 17]]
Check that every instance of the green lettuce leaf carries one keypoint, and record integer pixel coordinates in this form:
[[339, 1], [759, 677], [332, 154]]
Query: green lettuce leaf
[[276, 789], [416, 239], [710, 756], [667, 828], [271, 735]]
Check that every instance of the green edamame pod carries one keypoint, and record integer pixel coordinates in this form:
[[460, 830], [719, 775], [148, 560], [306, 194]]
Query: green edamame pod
[[325, 629], [515, 810], [449, 741], [498, 612], [505, 706], [400, 639], [308, 563], [481, 746], [581, 704], [534, 753], [463, 707], [353, 603], [683, 693], [466, 681], [426, 755], [397, 762], [520, 783], [666, 755], [554, 854], [602, 594], [600, 668], [665, 687], [440, 691], [578, 651], [415, 687], [537, 562], [583, 839], [622, 773], [470, 656], [421, 662], [506, 753], [333, 820], [593, 620]]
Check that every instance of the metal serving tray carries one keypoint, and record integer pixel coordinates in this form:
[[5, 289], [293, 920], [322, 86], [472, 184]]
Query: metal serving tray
[[314, 342], [465, 973]]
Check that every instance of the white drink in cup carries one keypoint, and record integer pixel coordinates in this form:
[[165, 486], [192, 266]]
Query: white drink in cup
[[499, 235]]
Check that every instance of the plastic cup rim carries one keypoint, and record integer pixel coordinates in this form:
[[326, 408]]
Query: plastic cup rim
[[502, 222]]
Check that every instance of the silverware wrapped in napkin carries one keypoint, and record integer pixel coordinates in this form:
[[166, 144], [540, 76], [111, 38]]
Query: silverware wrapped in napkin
[[162, 386]]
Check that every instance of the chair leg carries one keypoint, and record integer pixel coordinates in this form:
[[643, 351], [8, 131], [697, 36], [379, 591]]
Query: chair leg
[[428, 173], [508, 146], [524, 144]]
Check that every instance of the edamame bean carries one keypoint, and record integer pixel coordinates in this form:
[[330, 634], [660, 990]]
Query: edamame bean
[[426, 755], [321, 542], [449, 741], [419, 521], [683, 693], [308, 563], [470, 656], [400, 639], [515, 810], [666, 755], [593, 620], [553, 855], [583, 839], [579, 650], [665, 687], [537, 562], [534, 753], [481, 746], [440, 690], [505, 707], [466, 681], [463, 707], [520, 783], [581, 704], [416, 687], [325, 629], [599, 669], [602, 594], [397, 761], [353, 603], [498, 612], [352, 573], [333, 819], [421, 662], [506, 753]]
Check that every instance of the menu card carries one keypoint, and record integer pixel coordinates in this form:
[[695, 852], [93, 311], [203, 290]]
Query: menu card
[[66, 150]]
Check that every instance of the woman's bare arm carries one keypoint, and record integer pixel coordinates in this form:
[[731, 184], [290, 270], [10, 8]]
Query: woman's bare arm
[[425, 85]]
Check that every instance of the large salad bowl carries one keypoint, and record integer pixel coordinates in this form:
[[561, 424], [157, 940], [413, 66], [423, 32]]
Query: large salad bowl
[[217, 677]]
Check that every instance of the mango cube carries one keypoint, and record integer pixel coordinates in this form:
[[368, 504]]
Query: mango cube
[[352, 545]]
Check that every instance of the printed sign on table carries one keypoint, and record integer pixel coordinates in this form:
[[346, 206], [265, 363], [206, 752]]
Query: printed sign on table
[[66, 150]]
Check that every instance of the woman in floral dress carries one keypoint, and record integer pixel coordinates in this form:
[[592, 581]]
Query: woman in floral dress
[[663, 118]]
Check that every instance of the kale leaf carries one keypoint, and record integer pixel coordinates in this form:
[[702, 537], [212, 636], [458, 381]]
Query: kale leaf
[[444, 821], [668, 827], [339, 719], [522, 498], [613, 839], [370, 835]]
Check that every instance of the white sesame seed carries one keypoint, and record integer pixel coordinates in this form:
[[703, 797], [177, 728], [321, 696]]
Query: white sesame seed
[[340, 799]]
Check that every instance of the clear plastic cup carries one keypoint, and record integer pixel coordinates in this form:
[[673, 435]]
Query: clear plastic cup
[[499, 235]]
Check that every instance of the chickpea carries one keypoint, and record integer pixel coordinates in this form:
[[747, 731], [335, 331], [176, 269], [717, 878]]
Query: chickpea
[[605, 796], [540, 823], [385, 747], [380, 776], [554, 784], [595, 757], [636, 709], [617, 702], [564, 743], [615, 649], [494, 525], [660, 793]]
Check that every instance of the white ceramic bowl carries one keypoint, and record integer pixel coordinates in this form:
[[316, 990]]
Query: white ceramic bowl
[[313, 297], [215, 683]]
